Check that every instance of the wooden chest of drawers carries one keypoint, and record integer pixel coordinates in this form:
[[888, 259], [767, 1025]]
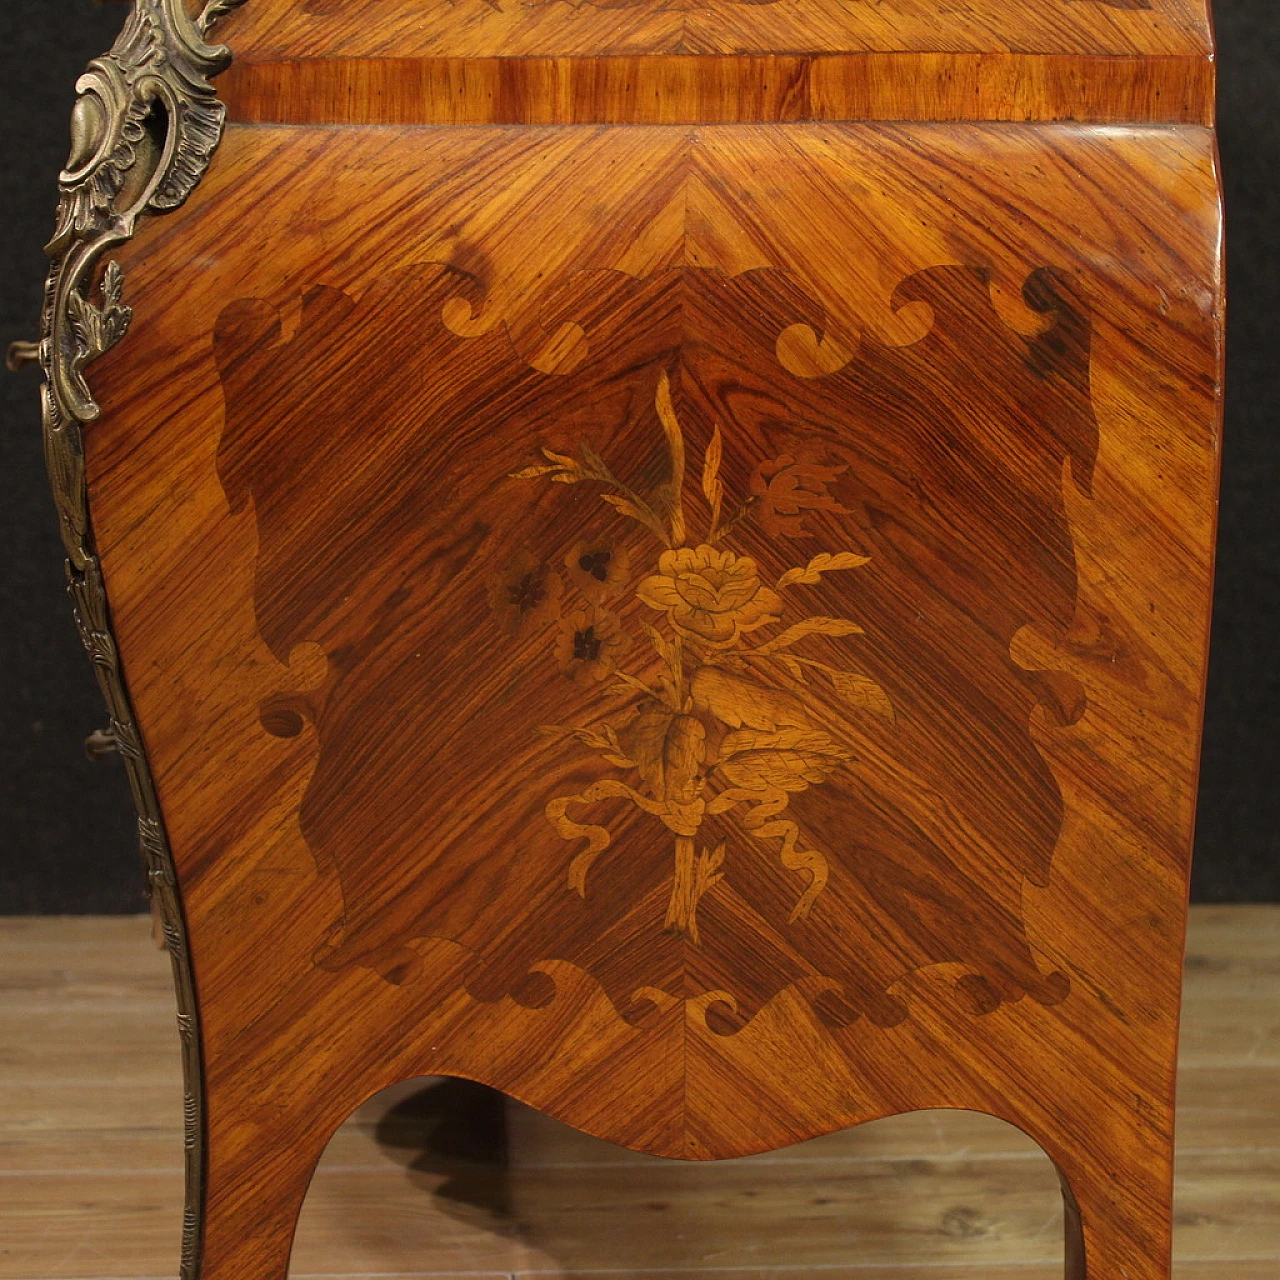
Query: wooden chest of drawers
[[657, 557]]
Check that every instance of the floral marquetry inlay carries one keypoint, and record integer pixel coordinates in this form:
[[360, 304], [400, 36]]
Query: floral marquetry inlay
[[717, 717]]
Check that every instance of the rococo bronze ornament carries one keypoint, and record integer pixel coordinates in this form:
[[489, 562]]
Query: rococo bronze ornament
[[143, 131]]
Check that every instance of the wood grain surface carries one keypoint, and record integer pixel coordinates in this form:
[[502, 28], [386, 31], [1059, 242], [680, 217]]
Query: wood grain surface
[[269, 30], [417, 1182], [729, 61], [335, 601], [681, 595], [682, 88]]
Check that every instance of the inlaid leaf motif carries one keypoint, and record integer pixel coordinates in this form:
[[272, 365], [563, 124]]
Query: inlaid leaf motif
[[675, 445], [816, 626], [792, 667], [712, 486], [862, 692], [562, 469], [625, 505], [826, 562], [788, 489], [668, 749], [742, 702], [605, 742], [667, 650], [791, 759]]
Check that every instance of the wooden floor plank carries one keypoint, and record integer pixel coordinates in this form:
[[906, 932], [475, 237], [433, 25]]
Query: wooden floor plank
[[1193, 1269], [1187, 1269], [1234, 934], [56, 933], [1190, 1270], [52, 1106], [677, 1217], [1231, 1030], [85, 1049]]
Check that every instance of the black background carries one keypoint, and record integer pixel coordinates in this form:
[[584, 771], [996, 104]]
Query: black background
[[66, 830]]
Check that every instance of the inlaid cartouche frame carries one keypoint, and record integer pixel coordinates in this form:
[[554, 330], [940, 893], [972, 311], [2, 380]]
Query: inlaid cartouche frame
[[143, 131]]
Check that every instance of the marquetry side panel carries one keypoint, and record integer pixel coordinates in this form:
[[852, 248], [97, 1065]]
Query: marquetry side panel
[[445, 513]]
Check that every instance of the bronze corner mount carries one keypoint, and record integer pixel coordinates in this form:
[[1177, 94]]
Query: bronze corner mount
[[143, 130]]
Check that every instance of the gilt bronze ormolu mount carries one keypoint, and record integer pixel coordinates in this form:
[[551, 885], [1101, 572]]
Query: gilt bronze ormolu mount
[[687, 606], [143, 130]]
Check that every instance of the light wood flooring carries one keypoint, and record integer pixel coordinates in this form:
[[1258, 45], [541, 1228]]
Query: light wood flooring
[[440, 1178]]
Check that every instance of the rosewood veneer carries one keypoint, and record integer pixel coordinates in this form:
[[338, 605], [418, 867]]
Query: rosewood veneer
[[657, 557]]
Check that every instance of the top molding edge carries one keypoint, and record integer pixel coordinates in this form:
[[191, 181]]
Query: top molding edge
[[278, 30]]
